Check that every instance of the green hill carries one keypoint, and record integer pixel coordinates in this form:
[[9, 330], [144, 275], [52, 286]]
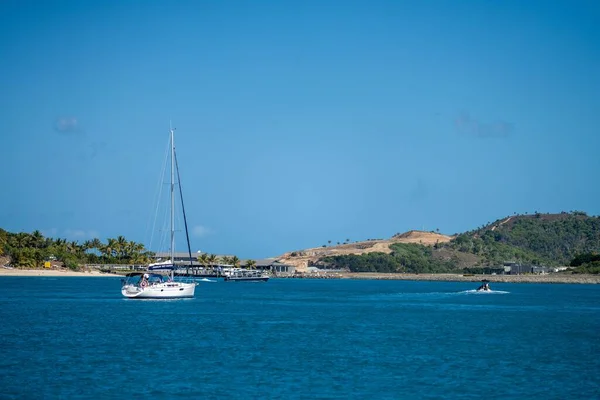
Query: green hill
[[552, 239], [540, 239]]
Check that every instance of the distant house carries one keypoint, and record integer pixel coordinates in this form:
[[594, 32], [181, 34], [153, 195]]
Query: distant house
[[271, 264], [514, 268]]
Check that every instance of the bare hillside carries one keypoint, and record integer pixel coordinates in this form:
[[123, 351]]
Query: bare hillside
[[301, 259], [421, 237]]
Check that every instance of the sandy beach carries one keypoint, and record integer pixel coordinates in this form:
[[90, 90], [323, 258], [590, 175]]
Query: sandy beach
[[51, 272]]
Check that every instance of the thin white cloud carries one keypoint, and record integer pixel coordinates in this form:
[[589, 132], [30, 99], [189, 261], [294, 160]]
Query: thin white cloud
[[200, 231], [67, 125], [466, 124]]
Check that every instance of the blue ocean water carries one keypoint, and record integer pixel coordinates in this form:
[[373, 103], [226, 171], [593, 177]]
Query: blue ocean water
[[298, 339]]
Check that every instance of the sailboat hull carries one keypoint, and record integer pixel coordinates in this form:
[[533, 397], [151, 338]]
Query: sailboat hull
[[169, 290]]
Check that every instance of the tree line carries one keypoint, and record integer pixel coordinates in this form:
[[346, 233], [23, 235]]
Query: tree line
[[32, 250]]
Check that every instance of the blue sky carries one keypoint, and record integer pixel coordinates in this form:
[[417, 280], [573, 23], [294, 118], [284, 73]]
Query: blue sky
[[297, 122]]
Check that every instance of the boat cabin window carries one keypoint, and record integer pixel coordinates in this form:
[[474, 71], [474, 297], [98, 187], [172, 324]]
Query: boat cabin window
[[155, 279]]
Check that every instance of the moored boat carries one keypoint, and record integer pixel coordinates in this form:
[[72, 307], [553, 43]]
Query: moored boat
[[144, 285], [245, 275], [148, 285]]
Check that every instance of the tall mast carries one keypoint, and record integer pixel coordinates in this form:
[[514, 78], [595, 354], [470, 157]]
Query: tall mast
[[172, 198]]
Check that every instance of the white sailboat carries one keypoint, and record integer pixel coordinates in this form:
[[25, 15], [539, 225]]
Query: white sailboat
[[148, 285]]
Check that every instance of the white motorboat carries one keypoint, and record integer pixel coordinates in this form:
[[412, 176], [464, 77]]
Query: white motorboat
[[245, 275]]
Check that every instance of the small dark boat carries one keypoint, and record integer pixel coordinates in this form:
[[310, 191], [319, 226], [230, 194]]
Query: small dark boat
[[485, 287]]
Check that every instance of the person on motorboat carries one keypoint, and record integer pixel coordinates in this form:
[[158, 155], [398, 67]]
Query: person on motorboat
[[484, 287]]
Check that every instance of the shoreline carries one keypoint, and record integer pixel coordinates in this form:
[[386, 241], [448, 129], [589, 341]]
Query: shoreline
[[52, 273], [549, 278]]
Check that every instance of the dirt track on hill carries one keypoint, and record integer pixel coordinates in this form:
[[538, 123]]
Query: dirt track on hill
[[301, 259]]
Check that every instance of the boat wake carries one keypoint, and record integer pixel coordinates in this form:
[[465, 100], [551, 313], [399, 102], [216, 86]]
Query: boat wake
[[474, 291], [204, 280], [426, 296]]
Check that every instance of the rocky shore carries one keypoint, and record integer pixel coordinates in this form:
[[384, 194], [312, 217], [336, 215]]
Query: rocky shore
[[547, 278]]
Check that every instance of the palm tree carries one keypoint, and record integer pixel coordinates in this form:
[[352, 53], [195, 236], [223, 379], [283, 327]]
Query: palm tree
[[203, 259], [139, 247], [60, 246], [96, 244], [91, 248], [22, 240], [73, 247], [37, 239], [3, 240], [86, 245], [212, 260], [235, 261], [227, 260], [131, 249], [110, 249], [121, 246], [21, 258], [250, 264], [127, 251], [140, 258]]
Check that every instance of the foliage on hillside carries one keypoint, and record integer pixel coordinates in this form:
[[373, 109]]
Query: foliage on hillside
[[492, 251], [540, 239], [405, 257], [587, 263], [31, 250], [552, 239], [585, 258]]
